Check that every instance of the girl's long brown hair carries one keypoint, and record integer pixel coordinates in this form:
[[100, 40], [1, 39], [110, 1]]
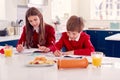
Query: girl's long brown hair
[[29, 28]]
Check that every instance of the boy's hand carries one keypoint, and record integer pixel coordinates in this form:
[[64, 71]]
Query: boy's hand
[[43, 48], [57, 53]]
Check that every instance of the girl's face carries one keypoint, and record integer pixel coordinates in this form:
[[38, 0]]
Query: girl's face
[[73, 34], [34, 21]]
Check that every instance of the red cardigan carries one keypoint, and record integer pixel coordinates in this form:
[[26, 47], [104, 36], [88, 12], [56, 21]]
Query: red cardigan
[[49, 36], [81, 47]]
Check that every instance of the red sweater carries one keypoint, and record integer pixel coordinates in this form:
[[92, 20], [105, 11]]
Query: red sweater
[[49, 36], [81, 47]]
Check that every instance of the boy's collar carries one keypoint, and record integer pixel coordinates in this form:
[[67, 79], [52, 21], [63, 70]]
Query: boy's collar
[[77, 39]]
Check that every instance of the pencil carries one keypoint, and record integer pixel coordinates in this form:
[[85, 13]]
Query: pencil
[[56, 48], [54, 45]]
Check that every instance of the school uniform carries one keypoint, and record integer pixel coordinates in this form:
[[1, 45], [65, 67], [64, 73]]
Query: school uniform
[[49, 36], [81, 46]]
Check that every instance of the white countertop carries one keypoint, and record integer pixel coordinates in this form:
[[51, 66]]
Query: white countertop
[[14, 68], [115, 37], [104, 29], [8, 38]]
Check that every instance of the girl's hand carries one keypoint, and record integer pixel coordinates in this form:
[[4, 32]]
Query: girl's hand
[[20, 48], [43, 48], [57, 53]]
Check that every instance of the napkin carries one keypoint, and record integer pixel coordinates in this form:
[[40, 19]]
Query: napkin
[[72, 63], [2, 51]]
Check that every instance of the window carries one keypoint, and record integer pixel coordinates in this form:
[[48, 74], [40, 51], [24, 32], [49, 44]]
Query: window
[[105, 9], [37, 3], [61, 8]]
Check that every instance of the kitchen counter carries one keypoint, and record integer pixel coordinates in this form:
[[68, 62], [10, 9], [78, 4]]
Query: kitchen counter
[[115, 37], [9, 38], [104, 29], [14, 68]]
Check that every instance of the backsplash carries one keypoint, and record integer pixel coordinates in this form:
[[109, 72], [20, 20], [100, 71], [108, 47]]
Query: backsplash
[[88, 24], [103, 24], [4, 24], [10, 29]]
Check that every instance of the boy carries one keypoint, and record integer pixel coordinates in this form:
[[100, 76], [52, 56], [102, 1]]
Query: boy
[[74, 40]]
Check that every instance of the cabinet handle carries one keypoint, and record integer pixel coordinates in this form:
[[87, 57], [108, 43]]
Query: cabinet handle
[[110, 32]]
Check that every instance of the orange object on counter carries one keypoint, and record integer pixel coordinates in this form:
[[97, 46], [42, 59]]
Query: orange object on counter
[[73, 63]]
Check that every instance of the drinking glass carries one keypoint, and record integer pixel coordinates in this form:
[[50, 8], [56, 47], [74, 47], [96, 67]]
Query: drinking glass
[[8, 51], [97, 58]]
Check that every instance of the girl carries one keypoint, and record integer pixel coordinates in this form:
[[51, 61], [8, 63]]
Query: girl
[[36, 32]]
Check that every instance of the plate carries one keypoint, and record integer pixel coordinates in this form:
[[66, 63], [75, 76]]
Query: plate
[[39, 65], [40, 61]]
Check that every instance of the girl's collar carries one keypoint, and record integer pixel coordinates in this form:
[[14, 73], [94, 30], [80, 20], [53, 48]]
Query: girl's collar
[[36, 29]]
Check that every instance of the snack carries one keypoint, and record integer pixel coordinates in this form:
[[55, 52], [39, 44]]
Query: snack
[[41, 60]]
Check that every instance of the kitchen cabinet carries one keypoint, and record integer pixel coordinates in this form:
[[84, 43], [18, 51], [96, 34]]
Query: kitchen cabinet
[[11, 42], [113, 48], [113, 44], [99, 42], [93, 37]]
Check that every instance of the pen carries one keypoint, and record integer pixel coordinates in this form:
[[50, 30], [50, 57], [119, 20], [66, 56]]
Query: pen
[[59, 53], [54, 45]]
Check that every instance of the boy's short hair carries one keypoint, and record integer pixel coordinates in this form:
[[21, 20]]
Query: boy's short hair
[[75, 23]]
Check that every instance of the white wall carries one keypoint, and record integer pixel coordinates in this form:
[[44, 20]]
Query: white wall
[[78, 7], [84, 10], [8, 11], [11, 10], [46, 11], [2, 10], [75, 7], [22, 2]]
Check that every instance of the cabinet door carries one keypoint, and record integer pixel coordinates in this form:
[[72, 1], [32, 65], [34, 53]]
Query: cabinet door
[[101, 39], [12, 42], [116, 48], [109, 48], [112, 48], [93, 37], [99, 42], [101, 45]]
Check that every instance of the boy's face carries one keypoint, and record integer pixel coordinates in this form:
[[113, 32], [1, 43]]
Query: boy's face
[[73, 34]]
